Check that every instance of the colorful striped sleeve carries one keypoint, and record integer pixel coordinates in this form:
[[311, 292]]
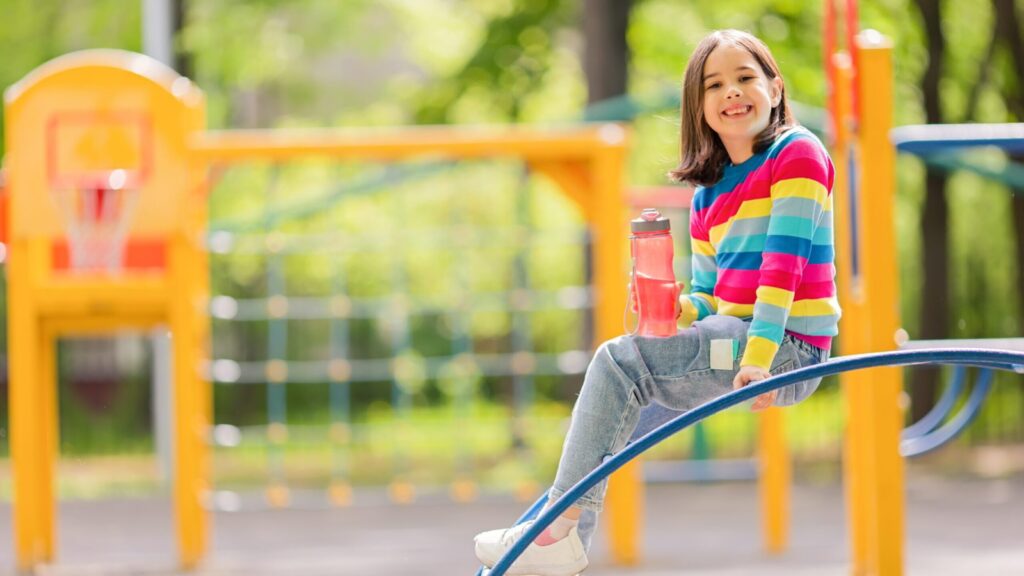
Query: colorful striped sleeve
[[700, 302], [800, 187]]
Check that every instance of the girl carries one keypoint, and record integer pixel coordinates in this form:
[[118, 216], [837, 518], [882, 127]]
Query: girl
[[762, 297]]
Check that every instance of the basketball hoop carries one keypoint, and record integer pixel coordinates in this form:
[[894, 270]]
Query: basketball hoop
[[97, 211]]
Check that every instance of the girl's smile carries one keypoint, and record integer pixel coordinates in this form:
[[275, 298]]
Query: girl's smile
[[737, 111]]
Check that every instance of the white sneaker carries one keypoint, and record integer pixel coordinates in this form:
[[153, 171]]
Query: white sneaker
[[563, 558]]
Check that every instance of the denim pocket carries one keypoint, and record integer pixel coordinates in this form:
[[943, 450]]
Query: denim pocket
[[794, 354], [786, 359], [717, 327]]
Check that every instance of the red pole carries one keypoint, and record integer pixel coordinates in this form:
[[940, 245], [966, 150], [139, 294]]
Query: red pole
[[828, 49], [852, 26]]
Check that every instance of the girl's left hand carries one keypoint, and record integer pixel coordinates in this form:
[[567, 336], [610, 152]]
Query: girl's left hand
[[748, 374]]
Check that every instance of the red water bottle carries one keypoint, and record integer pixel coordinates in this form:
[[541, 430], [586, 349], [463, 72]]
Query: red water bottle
[[653, 281]]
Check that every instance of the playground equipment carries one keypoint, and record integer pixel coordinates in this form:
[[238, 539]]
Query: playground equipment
[[930, 432], [105, 207], [586, 163], [126, 270], [112, 135], [121, 167], [993, 359], [236, 148], [861, 112], [397, 305]]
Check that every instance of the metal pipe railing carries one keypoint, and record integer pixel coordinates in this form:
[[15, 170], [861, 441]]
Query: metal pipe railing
[[998, 359]]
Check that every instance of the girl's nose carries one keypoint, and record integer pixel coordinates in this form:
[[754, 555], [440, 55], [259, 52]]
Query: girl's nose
[[732, 92]]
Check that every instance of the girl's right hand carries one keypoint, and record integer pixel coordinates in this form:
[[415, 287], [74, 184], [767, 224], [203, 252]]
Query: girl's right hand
[[680, 286]]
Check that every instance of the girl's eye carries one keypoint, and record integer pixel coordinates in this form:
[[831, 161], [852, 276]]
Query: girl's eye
[[712, 86], [746, 78]]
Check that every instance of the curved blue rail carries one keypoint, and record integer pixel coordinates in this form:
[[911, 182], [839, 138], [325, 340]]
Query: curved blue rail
[[929, 441], [999, 359], [940, 411]]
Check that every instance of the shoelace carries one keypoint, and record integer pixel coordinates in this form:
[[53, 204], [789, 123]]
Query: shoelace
[[513, 534]]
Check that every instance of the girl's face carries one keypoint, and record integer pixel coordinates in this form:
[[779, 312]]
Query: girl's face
[[738, 98]]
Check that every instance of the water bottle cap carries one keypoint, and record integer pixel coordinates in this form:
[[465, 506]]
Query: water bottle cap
[[650, 220]]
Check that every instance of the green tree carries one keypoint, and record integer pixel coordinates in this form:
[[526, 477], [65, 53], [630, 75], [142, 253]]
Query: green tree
[[36, 31], [515, 56]]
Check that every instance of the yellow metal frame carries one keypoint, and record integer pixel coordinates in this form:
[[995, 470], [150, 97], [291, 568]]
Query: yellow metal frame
[[873, 472], [45, 304], [588, 163]]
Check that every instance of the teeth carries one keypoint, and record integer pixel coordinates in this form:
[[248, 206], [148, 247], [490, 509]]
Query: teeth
[[736, 111]]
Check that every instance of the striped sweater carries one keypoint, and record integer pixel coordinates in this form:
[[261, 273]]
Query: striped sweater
[[761, 239]]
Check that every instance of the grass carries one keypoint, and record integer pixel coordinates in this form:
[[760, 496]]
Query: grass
[[432, 447]]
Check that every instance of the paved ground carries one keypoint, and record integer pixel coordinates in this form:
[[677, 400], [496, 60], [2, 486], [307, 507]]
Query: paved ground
[[954, 528]]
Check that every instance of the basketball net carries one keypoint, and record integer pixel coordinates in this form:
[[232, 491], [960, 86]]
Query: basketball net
[[97, 213]]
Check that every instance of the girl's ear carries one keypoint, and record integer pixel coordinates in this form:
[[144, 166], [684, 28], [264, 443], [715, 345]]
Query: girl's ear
[[776, 91]]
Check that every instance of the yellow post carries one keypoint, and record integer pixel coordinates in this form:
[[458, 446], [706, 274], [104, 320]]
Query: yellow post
[[50, 440], [874, 57], [71, 126], [188, 417], [774, 480], [27, 441], [867, 246], [853, 326], [190, 343], [624, 502]]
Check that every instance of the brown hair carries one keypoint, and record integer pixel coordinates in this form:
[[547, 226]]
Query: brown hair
[[702, 156]]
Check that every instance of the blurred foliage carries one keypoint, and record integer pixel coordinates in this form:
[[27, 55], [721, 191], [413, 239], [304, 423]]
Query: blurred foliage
[[271, 64], [513, 61]]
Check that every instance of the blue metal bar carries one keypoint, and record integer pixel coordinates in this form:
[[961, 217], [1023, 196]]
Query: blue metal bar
[[397, 319], [460, 319], [898, 358], [940, 411], [521, 336], [928, 442], [339, 387], [277, 343], [853, 210], [927, 138]]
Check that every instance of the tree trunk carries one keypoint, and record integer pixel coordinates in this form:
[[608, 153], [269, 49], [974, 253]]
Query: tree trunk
[[934, 302], [182, 59], [606, 65], [1008, 30], [935, 292], [606, 53]]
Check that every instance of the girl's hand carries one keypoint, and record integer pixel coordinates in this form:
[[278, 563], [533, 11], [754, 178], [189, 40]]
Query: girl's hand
[[679, 296], [748, 374]]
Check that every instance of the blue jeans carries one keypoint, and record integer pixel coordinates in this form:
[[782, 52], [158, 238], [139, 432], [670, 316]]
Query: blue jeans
[[659, 378]]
